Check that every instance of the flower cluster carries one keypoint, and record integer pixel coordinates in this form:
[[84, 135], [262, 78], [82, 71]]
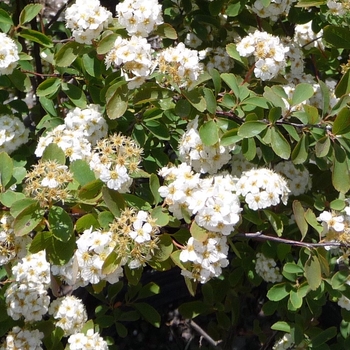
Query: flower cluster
[[70, 314], [239, 164], [27, 296], [336, 225], [218, 59], [262, 188], [48, 182], [298, 179], [274, 10], [134, 57], [180, 66], [207, 257], [269, 53], [11, 246], [306, 37], [88, 341], [266, 268], [203, 158], [139, 17], [113, 159], [19, 338], [82, 128], [212, 200], [87, 19], [285, 343], [13, 133], [8, 54]]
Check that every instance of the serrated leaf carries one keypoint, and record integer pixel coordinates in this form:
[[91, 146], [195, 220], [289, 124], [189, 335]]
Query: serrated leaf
[[29, 12], [312, 272], [37, 37], [279, 144], [209, 133]]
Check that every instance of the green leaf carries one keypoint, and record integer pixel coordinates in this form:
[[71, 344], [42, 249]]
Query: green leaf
[[209, 133], [193, 309], [48, 106], [37, 37], [82, 172], [54, 152], [210, 100], [48, 87], [275, 113], [215, 75], [281, 326], [67, 54], [249, 148], [196, 99], [279, 144], [293, 268], [105, 218], [301, 150], [29, 12], [111, 263], [75, 94], [149, 313], [325, 96], [339, 279], [298, 212], [278, 291], [91, 191], [322, 146], [114, 201], [340, 167], [343, 87], [337, 204], [40, 242], [165, 30], [9, 197], [337, 36], [341, 123], [106, 44], [28, 219], [295, 299], [148, 290], [117, 100], [275, 221], [233, 53], [324, 336], [5, 17], [232, 83], [311, 219], [158, 129], [154, 186], [162, 217], [133, 275], [183, 108], [61, 224], [301, 93], [6, 170], [86, 222], [255, 101], [198, 233], [312, 272], [251, 128], [58, 252]]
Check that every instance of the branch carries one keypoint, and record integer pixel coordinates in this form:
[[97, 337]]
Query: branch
[[261, 237], [205, 335]]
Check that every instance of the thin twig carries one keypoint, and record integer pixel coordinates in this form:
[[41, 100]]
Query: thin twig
[[57, 15], [205, 335]]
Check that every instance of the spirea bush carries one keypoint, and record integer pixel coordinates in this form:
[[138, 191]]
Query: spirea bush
[[182, 165]]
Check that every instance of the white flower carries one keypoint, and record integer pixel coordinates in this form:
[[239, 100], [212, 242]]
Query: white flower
[[116, 177], [141, 232], [8, 54]]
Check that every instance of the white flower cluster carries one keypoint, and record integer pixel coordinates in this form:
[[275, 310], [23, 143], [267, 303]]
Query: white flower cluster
[[13, 133], [274, 10], [266, 268], [27, 296], [207, 257], [11, 246], [82, 128], [218, 59], [305, 37], [336, 225], [180, 65], [239, 164], [203, 158], [338, 8], [262, 188], [134, 57], [8, 54], [139, 17], [87, 19], [268, 51], [298, 179], [285, 343], [70, 314], [113, 160], [19, 338], [86, 264], [90, 341], [212, 200]]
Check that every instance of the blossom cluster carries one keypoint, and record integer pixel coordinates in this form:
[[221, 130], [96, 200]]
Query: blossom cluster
[[274, 10], [11, 246], [207, 257], [27, 296], [134, 58], [20, 338], [13, 133], [69, 313], [87, 19], [262, 188], [139, 17], [114, 159], [202, 158], [48, 181], [82, 128], [269, 53], [266, 268], [89, 341], [8, 54]]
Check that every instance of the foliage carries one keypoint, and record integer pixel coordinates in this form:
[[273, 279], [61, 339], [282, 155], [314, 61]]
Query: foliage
[[209, 138]]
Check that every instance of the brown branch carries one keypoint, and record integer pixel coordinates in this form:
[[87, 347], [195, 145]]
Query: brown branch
[[261, 237], [205, 335]]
